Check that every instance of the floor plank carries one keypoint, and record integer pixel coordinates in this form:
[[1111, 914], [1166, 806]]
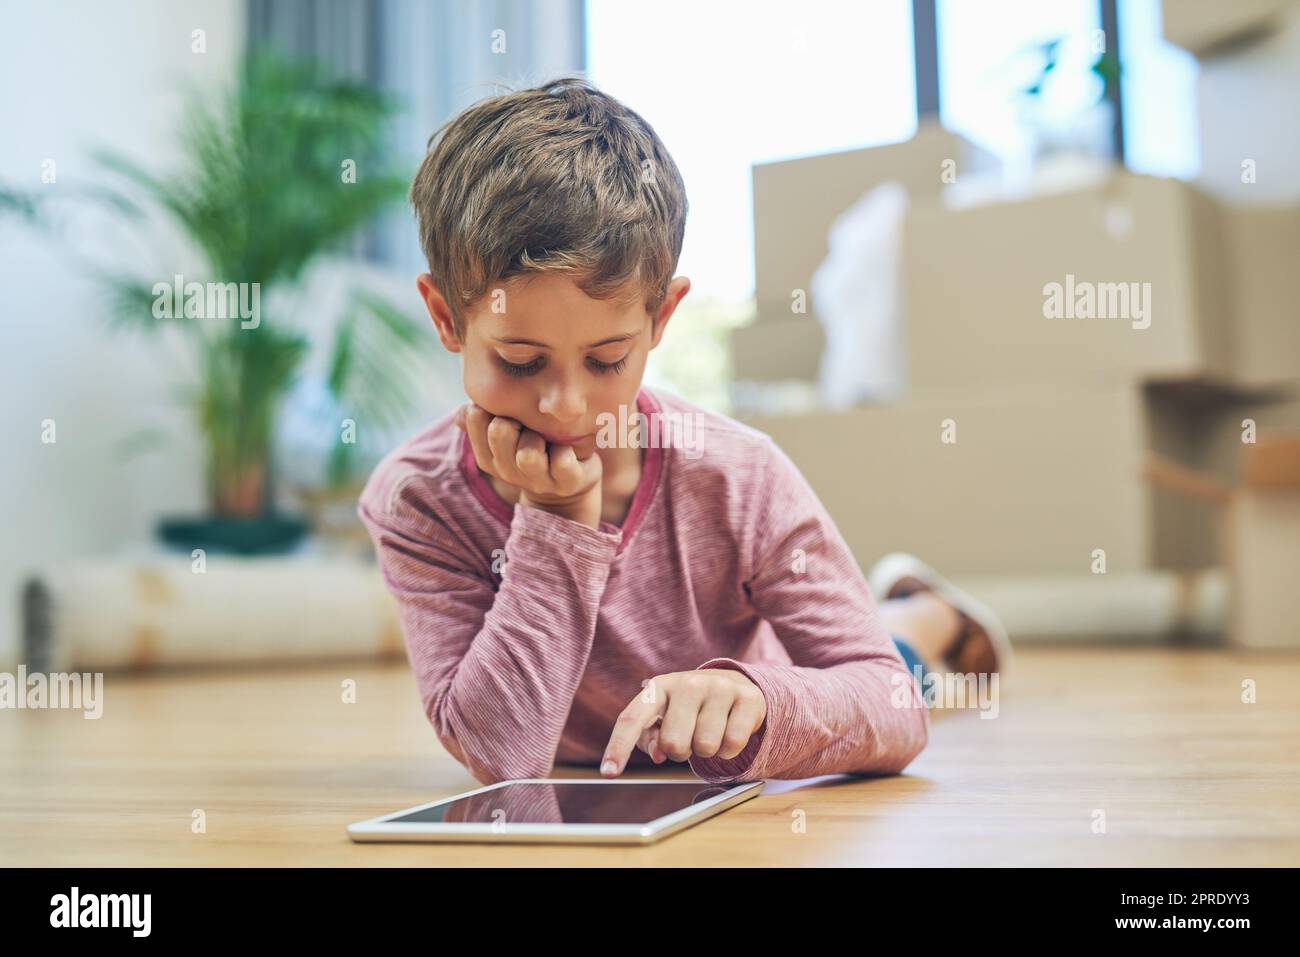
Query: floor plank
[[1186, 773]]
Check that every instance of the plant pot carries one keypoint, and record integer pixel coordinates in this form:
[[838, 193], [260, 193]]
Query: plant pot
[[261, 535], [1088, 133]]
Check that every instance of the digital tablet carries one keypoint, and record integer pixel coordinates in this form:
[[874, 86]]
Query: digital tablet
[[560, 811]]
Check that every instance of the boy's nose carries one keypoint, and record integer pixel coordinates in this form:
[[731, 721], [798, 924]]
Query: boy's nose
[[563, 404]]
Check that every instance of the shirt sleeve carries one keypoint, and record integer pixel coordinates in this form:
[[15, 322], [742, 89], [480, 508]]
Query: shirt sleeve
[[847, 703], [497, 666]]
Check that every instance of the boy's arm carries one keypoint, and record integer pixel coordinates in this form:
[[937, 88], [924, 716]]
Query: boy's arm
[[497, 668], [847, 704]]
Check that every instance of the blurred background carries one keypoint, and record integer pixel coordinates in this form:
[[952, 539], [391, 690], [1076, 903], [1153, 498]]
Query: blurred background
[[883, 198]]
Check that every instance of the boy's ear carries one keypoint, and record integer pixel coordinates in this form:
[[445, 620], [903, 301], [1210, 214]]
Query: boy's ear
[[677, 289], [439, 311]]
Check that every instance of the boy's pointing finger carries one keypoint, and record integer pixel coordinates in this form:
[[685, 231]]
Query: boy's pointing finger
[[635, 718]]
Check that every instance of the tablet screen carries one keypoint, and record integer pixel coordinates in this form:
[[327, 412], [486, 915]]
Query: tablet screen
[[567, 803]]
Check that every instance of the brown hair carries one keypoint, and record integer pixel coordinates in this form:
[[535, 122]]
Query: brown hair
[[555, 178]]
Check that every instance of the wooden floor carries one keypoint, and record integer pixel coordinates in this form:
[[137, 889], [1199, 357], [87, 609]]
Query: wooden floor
[[1159, 740]]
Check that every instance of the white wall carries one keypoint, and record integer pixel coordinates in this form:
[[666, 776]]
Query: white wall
[[79, 73]]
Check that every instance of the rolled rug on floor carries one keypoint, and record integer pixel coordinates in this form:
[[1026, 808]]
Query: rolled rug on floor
[[1113, 607], [161, 612]]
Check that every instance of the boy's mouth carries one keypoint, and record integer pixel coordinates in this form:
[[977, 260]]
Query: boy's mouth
[[562, 439]]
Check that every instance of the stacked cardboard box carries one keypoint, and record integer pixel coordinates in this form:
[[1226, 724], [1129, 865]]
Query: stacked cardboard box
[[795, 204], [1249, 131], [1055, 343], [1136, 278], [1094, 371], [1202, 26], [1119, 281], [1008, 481], [1260, 521]]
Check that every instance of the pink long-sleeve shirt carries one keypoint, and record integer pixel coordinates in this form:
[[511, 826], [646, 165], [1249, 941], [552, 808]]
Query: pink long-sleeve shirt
[[529, 633]]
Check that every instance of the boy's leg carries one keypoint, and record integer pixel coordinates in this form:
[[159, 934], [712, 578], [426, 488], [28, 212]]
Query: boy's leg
[[915, 666], [926, 623]]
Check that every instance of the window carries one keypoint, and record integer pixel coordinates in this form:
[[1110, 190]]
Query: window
[[990, 51], [1159, 85], [727, 85]]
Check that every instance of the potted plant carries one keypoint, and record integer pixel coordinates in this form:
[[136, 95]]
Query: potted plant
[[285, 168], [1087, 128]]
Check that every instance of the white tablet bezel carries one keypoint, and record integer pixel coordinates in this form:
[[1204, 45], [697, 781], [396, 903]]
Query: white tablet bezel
[[382, 829]]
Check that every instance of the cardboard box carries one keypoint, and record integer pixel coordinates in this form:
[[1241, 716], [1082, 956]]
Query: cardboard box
[[1201, 26], [777, 351], [1035, 481], [1260, 516], [1228, 422], [1264, 611], [796, 201], [1122, 281], [1181, 425], [1263, 318]]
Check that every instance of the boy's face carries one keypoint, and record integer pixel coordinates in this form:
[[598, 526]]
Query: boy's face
[[548, 355]]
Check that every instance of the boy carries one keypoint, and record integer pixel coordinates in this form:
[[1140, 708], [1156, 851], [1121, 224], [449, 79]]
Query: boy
[[571, 591]]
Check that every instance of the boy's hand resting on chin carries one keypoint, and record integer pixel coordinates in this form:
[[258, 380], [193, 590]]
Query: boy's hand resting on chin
[[711, 712], [553, 479]]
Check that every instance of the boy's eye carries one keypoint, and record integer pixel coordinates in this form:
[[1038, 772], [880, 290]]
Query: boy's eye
[[535, 365], [603, 367], [528, 368]]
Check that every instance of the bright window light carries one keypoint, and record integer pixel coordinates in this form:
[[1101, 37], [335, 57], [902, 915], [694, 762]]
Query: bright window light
[[988, 53], [729, 84], [1159, 85]]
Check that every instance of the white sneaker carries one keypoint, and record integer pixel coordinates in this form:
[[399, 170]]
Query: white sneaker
[[991, 651]]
